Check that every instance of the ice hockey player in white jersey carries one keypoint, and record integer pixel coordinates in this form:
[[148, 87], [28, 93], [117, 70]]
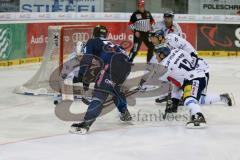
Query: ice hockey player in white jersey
[[172, 41], [186, 81], [168, 25]]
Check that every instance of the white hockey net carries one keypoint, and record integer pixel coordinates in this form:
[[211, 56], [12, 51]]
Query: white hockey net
[[61, 41]]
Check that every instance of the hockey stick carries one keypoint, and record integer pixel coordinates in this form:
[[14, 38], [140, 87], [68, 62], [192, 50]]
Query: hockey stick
[[127, 94], [169, 102], [110, 101]]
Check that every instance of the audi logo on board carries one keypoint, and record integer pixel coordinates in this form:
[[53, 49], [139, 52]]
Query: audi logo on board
[[80, 36]]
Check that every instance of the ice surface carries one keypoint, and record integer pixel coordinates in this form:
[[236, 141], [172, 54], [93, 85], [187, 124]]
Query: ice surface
[[29, 129]]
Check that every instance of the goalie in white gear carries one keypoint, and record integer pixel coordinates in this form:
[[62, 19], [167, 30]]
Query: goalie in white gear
[[77, 51], [68, 77], [172, 41]]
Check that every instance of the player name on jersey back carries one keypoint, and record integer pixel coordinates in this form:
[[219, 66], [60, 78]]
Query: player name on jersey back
[[180, 67]]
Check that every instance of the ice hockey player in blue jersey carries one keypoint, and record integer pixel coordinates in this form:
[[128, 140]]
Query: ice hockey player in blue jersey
[[93, 48], [116, 68]]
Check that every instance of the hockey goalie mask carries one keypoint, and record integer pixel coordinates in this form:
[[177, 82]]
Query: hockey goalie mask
[[80, 48]]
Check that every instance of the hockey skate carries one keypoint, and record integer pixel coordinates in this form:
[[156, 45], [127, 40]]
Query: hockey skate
[[80, 128], [197, 121], [161, 99], [125, 116], [226, 98]]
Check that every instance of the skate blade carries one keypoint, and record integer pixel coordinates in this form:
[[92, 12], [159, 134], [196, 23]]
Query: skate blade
[[75, 131], [233, 99], [192, 126], [127, 122]]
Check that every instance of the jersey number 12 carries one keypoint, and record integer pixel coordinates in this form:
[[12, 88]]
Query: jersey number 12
[[186, 65]]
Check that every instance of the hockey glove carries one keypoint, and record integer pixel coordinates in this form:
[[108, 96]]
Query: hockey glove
[[141, 87], [172, 106]]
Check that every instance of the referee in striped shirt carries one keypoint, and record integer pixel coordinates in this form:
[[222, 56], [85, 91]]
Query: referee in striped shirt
[[141, 23]]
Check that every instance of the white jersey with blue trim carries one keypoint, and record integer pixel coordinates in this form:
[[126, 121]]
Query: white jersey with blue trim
[[175, 28], [202, 65], [180, 67], [174, 41]]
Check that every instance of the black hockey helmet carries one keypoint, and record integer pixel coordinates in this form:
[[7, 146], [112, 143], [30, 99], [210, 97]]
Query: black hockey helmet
[[100, 31], [168, 14]]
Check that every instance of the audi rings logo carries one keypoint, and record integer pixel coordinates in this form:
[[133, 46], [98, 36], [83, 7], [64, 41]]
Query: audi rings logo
[[80, 36]]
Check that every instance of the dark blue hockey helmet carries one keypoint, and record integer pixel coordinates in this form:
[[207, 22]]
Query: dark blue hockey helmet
[[163, 50], [157, 33]]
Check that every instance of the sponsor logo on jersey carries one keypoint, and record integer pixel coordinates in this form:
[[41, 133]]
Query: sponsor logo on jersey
[[195, 87], [111, 83]]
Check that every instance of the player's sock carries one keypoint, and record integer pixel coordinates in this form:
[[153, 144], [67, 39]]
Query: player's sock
[[213, 98], [210, 99], [194, 108], [197, 119]]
